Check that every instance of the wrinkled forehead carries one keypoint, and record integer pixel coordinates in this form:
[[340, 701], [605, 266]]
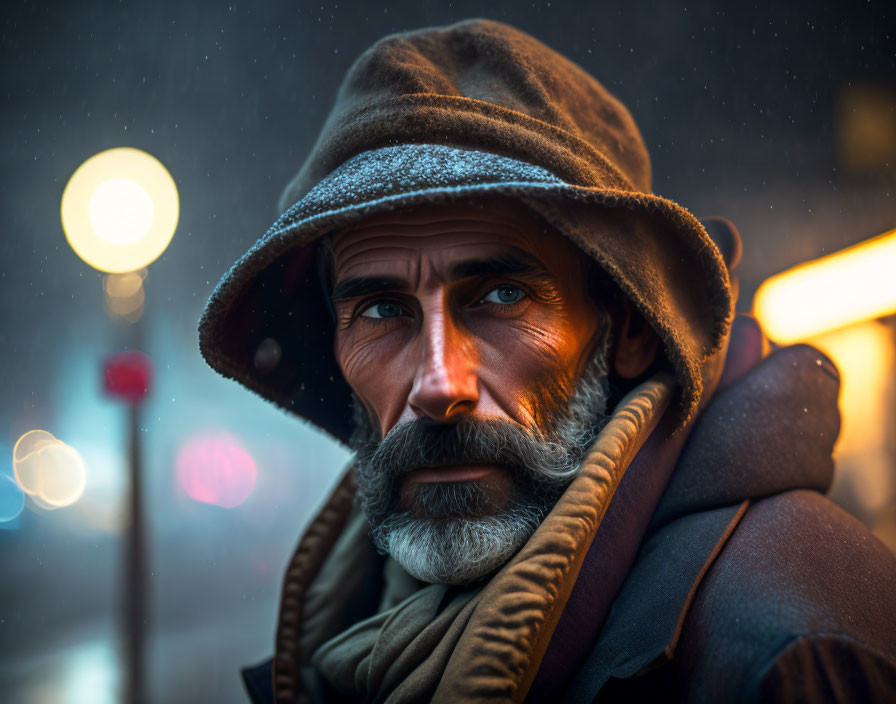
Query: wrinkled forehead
[[439, 235]]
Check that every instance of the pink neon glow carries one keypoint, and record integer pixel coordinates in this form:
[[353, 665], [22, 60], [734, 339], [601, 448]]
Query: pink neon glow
[[215, 469]]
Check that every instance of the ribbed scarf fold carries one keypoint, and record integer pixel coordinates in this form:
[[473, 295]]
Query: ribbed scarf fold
[[398, 654]]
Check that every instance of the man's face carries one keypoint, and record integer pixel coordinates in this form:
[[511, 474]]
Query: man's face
[[463, 331]]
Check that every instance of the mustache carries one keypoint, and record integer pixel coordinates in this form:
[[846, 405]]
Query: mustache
[[422, 443], [537, 464]]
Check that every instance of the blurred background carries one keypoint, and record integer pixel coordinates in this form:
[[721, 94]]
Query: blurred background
[[778, 116]]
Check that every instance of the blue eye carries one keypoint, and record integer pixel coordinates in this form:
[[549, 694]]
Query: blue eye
[[386, 309], [505, 295]]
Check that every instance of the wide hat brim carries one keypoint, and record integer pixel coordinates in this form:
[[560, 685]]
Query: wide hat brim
[[267, 323]]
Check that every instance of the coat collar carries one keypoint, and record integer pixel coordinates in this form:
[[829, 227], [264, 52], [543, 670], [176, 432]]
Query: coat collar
[[645, 622], [771, 431]]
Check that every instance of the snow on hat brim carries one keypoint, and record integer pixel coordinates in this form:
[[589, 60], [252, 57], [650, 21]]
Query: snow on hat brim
[[268, 326]]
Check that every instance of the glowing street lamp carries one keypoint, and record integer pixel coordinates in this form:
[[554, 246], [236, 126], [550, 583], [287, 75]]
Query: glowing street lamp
[[119, 212]]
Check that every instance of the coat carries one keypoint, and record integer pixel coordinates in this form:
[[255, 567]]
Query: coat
[[749, 585]]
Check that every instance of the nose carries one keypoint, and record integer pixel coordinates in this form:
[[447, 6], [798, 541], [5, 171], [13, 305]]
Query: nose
[[445, 384]]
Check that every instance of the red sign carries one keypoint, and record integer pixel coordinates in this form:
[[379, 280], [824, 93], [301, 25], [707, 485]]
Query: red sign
[[127, 376]]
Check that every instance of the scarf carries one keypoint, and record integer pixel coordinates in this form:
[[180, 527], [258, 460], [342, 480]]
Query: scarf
[[438, 642]]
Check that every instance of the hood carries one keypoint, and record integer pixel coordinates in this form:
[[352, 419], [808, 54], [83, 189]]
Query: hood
[[453, 113]]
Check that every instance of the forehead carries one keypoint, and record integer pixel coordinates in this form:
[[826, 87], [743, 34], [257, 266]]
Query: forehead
[[443, 234]]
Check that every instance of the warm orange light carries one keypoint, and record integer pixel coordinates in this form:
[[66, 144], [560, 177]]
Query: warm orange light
[[126, 305], [865, 354], [123, 285], [851, 286], [124, 295], [864, 127]]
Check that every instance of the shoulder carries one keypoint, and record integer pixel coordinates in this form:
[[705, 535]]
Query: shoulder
[[799, 583], [797, 564]]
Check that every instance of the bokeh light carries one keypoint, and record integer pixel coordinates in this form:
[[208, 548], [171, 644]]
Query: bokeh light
[[49, 471], [27, 473], [41, 503], [865, 354], [91, 675], [126, 306], [123, 285], [120, 209], [102, 508], [864, 126], [12, 499], [847, 287], [124, 296], [215, 469], [127, 376]]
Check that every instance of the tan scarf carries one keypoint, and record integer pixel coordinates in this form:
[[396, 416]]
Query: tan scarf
[[436, 642]]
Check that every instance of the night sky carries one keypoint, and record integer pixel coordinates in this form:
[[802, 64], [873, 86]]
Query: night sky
[[740, 105]]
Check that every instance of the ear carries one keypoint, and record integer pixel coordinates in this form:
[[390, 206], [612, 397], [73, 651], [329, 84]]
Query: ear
[[636, 344]]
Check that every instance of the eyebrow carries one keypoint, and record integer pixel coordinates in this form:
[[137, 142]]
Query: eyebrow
[[518, 262], [364, 285]]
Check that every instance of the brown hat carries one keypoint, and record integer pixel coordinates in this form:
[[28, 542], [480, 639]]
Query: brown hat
[[450, 113]]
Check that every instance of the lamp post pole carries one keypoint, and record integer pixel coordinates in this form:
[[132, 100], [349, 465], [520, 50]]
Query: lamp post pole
[[136, 590], [119, 212], [127, 378], [136, 577]]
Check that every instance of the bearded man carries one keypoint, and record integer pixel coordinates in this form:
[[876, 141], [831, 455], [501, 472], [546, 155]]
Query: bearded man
[[574, 478]]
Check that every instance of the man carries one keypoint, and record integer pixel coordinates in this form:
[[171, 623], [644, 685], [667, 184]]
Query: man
[[574, 479]]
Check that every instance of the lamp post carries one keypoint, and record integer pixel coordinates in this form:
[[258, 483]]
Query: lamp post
[[119, 212]]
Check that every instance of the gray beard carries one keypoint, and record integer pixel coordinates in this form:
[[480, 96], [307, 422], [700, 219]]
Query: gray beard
[[455, 533]]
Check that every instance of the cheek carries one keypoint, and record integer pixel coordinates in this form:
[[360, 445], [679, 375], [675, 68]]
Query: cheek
[[377, 368], [529, 364]]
